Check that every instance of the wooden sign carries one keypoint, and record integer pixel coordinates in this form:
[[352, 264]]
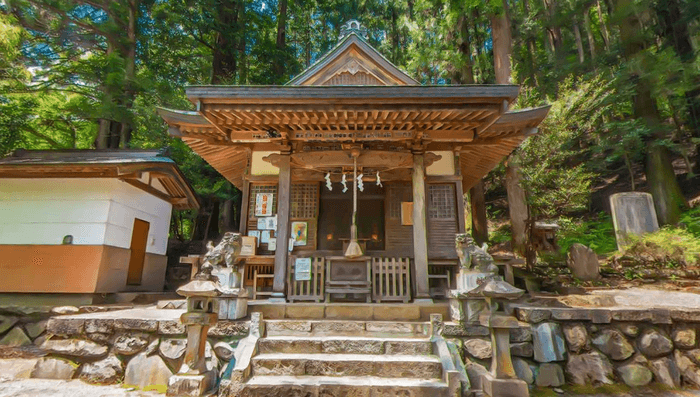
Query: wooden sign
[[248, 245], [300, 232], [263, 204], [407, 213], [302, 269]]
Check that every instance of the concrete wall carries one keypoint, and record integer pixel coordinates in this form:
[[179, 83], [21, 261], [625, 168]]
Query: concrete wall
[[35, 215]]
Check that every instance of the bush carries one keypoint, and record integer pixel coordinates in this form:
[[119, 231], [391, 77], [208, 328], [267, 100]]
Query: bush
[[598, 234], [669, 246], [691, 220]]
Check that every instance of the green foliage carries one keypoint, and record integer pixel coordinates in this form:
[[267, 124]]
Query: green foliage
[[691, 221], [670, 246], [501, 235], [598, 234]]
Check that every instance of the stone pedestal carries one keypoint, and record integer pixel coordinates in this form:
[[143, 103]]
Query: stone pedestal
[[192, 385], [467, 309], [503, 387], [233, 306]]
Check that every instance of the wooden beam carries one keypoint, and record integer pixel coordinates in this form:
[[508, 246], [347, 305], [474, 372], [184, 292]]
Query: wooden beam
[[245, 202], [493, 118], [151, 190]]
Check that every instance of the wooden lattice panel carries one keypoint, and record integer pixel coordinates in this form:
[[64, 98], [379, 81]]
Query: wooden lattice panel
[[397, 193], [254, 190], [441, 203], [304, 201]]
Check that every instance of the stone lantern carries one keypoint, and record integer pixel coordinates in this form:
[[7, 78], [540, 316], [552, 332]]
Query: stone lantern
[[501, 381], [193, 379]]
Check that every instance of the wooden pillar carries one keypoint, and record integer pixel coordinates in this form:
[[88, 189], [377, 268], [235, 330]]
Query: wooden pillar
[[461, 227], [245, 200], [420, 229], [282, 251]]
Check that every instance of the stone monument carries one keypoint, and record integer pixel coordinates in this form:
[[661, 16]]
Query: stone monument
[[476, 266], [228, 267], [501, 381], [633, 214]]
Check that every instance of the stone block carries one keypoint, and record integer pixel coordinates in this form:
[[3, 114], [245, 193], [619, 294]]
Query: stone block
[[408, 369], [279, 366], [478, 348], [589, 369], [17, 368], [613, 344], [417, 347], [63, 310], [550, 375], [229, 328], [352, 346], [393, 327], [289, 346], [653, 344], [16, 337], [107, 371], [631, 330], [270, 311], [532, 315], [521, 334], [493, 387], [571, 314], [54, 368], [191, 385], [396, 313], [634, 315], [100, 338], [341, 327], [601, 316], [576, 337], [686, 315], [523, 349], [6, 322], [171, 327], [427, 310], [136, 324], [81, 349], [661, 316], [101, 325], [666, 372], [65, 326], [523, 370], [548, 343], [130, 343], [634, 375], [688, 369], [684, 336], [35, 329], [475, 373], [350, 312], [305, 312], [146, 372], [172, 351], [583, 262], [287, 327]]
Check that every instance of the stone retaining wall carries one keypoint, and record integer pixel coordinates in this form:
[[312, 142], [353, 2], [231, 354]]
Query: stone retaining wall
[[23, 326], [594, 346], [136, 352]]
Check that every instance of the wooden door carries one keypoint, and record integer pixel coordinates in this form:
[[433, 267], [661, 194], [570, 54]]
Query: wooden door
[[139, 239], [442, 221]]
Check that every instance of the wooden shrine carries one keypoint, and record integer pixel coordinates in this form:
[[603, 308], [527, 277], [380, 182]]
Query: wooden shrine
[[293, 150]]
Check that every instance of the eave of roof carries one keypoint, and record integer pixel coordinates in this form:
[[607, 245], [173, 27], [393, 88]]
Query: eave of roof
[[119, 164]]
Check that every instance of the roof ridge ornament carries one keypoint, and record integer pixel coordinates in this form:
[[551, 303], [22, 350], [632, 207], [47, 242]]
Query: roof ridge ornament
[[352, 26]]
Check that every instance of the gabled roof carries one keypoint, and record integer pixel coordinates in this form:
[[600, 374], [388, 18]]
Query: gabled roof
[[353, 55], [126, 165]]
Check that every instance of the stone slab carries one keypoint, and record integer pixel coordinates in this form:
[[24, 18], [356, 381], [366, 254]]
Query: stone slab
[[17, 368], [633, 214], [397, 313], [504, 387], [307, 312]]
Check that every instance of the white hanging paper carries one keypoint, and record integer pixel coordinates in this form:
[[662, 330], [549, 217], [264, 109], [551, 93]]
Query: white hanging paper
[[379, 180], [360, 185], [344, 182], [329, 185]]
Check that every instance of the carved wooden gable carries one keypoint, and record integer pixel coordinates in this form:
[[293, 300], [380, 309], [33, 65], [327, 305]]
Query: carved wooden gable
[[353, 62]]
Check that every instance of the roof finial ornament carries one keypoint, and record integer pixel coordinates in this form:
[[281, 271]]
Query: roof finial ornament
[[352, 26]]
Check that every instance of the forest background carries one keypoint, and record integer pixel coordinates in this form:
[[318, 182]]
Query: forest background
[[622, 76]]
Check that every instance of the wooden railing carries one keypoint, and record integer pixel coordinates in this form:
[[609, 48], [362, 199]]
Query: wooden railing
[[391, 279], [307, 290]]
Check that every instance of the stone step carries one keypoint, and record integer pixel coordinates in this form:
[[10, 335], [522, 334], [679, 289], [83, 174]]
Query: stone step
[[366, 386], [344, 327], [349, 311], [345, 345], [384, 366]]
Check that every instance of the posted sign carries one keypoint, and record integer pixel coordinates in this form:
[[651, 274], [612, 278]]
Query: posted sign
[[302, 269]]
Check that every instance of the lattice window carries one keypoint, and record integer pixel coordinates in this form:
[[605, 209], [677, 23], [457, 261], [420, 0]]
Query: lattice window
[[304, 200], [441, 202], [254, 190], [398, 193]]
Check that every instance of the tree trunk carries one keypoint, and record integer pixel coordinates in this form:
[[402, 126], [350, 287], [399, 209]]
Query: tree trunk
[[225, 63], [280, 46], [480, 230], [554, 30], [130, 75], [668, 197], [500, 31], [603, 27], [579, 43], [517, 206], [213, 221], [530, 47], [589, 34]]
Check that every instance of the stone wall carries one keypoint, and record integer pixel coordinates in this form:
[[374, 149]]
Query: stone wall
[[143, 353], [555, 346], [23, 326]]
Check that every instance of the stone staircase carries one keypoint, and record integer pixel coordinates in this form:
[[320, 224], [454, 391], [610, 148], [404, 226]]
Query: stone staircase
[[350, 358]]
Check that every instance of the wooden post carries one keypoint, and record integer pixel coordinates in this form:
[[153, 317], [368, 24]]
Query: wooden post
[[461, 227], [245, 200], [282, 251], [420, 234]]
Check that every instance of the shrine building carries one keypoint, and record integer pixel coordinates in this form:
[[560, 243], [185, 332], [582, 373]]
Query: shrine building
[[295, 151]]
